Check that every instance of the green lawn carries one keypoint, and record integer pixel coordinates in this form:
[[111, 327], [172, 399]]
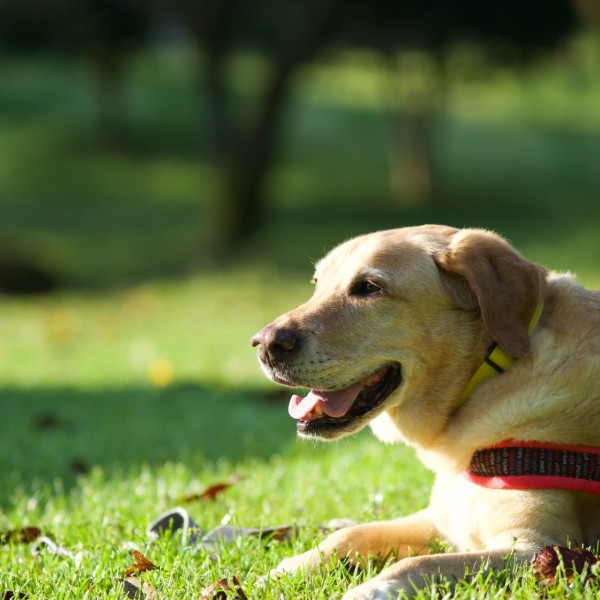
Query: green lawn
[[92, 450], [136, 385]]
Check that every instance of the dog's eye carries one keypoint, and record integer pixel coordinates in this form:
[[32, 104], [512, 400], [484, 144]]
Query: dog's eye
[[366, 287]]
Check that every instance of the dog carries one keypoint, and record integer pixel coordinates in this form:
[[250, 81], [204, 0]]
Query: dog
[[487, 364]]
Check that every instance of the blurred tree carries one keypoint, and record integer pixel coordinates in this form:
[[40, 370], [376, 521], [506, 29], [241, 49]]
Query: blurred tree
[[513, 31], [243, 142], [291, 33], [102, 32], [27, 25], [589, 12], [287, 34]]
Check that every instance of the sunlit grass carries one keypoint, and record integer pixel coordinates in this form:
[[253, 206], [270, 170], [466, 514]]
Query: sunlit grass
[[93, 449]]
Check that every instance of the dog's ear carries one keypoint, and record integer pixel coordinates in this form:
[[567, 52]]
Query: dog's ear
[[479, 269]]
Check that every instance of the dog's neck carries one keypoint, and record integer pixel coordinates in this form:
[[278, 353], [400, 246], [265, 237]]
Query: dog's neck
[[497, 360], [402, 422]]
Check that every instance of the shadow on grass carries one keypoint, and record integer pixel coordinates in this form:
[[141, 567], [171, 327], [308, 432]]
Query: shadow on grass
[[57, 434]]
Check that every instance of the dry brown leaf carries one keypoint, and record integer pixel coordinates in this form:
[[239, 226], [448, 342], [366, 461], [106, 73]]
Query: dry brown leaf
[[142, 564], [280, 534], [211, 492], [575, 561], [25, 535], [218, 590]]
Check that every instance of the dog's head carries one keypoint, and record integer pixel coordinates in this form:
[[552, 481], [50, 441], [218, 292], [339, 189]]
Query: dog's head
[[397, 323]]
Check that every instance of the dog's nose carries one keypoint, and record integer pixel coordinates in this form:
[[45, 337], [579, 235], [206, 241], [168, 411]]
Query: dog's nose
[[275, 342]]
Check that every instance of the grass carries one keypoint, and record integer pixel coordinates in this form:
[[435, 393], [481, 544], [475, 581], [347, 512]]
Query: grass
[[95, 450], [136, 384]]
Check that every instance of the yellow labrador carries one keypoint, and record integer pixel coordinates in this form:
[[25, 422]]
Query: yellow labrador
[[489, 365]]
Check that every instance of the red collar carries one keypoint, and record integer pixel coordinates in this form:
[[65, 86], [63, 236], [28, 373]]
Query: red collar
[[514, 464]]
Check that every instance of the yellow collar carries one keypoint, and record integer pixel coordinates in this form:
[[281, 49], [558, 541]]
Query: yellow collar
[[497, 360]]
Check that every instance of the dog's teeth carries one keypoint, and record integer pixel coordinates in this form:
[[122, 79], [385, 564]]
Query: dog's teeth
[[318, 411], [374, 377]]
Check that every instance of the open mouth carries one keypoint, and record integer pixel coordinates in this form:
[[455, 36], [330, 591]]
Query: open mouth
[[330, 414]]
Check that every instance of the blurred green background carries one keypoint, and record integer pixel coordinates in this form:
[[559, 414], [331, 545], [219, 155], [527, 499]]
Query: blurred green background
[[142, 139], [169, 172]]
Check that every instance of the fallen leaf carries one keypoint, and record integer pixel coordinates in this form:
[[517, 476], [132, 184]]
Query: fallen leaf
[[281, 533], [134, 588], [25, 535], [142, 564], [575, 561], [211, 492], [218, 590]]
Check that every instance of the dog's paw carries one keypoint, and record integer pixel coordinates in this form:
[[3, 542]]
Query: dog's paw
[[307, 561]]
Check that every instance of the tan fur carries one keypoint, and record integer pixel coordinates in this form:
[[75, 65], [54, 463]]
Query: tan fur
[[448, 294]]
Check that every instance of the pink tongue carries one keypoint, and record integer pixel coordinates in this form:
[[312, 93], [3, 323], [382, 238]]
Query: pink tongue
[[334, 404]]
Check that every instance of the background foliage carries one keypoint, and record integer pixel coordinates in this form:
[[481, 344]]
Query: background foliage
[[165, 186]]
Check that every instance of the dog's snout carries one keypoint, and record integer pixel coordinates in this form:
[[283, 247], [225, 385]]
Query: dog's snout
[[275, 343]]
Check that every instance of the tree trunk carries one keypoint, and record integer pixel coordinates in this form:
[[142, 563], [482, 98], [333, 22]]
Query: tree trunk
[[410, 153], [106, 70], [246, 166]]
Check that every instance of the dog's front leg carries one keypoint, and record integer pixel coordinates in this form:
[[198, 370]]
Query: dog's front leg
[[414, 573], [399, 537]]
